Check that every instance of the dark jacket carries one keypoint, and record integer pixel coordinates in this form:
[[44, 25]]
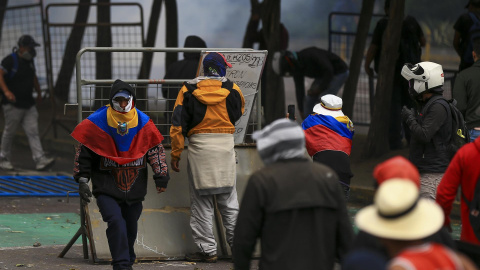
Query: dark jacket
[[317, 63], [183, 69], [411, 31], [430, 135], [21, 83], [124, 183], [467, 93], [297, 209]]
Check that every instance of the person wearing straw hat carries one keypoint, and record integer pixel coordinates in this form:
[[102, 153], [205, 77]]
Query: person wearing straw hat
[[294, 206], [396, 167], [402, 219], [205, 111], [328, 136]]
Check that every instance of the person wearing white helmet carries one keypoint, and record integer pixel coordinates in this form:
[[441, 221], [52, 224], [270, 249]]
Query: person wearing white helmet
[[430, 125]]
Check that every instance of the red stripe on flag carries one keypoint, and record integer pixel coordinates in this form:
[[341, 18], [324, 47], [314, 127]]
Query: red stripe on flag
[[320, 138]]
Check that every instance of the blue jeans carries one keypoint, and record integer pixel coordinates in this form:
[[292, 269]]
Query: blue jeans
[[473, 134], [311, 100], [122, 229]]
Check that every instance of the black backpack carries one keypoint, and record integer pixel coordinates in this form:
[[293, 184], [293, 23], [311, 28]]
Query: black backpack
[[473, 33], [459, 135], [474, 209]]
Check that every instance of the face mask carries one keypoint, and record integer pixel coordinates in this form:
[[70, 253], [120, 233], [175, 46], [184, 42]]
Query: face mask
[[118, 108], [29, 55]]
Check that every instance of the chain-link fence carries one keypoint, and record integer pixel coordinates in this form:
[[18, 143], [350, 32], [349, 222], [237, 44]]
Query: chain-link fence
[[123, 34]]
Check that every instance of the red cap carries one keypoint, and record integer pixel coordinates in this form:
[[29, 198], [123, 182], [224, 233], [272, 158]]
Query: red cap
[[396, 167]]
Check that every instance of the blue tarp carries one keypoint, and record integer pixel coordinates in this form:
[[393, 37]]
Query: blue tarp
[[47, 186]]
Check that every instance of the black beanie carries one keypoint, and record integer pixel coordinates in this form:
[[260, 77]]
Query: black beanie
[[121, 85]]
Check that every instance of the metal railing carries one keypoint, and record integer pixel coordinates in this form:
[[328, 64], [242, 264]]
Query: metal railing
[[150, 105]]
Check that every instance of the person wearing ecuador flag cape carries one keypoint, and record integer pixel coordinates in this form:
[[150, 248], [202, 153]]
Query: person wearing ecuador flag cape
[[328, 135], [115, 144]]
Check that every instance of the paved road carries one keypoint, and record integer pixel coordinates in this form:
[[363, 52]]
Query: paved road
[[47, 258]]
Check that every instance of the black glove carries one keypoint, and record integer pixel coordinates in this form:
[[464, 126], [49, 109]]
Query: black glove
[[408, 115], [84, 191]]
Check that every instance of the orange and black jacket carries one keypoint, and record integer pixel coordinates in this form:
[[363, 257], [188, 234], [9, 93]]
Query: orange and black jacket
[[205, 106]]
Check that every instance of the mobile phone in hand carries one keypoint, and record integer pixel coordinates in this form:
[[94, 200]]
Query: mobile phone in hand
[[291, 112]]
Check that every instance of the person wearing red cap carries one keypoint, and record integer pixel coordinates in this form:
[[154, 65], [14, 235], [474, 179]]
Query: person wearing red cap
[[403, 221], [17, 79], [396, 167], [205, 111]]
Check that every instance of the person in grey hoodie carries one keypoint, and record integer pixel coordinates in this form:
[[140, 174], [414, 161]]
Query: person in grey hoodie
[[294, 206]]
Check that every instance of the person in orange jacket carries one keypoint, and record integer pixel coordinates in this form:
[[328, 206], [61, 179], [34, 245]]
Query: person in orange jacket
[[205, 112]]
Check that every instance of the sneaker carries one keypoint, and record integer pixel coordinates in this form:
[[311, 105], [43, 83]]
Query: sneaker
[[201, 257], [5, 164], [44, 162]]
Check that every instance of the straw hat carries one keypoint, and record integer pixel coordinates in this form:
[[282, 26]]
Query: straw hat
[[398, 213], [329, 105]]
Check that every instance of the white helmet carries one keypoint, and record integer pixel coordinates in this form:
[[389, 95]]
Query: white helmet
[[423, 76]]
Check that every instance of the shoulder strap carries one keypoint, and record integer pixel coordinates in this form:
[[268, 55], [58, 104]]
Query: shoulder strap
[[477, 191], [466, 200], [227, 85], [190, 87], [15, 65], [474, 18], [434, 99]]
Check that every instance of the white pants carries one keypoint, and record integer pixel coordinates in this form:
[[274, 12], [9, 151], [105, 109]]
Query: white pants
[[202, 214], [28, 118]]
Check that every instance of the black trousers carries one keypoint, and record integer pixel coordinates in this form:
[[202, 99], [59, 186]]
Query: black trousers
[[122, 228]]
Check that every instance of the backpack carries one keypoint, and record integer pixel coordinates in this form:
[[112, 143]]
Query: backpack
[[473, 33], [474, 209], [459, 134], [14, 69]]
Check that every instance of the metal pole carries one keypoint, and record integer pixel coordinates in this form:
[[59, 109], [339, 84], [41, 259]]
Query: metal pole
[[259, 107]]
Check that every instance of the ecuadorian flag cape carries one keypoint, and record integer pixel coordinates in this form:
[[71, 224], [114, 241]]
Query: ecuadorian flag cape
[[325, 132], [100, 133]]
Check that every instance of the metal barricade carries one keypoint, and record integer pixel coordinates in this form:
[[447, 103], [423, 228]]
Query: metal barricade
[[169, 210], [154, 104]]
